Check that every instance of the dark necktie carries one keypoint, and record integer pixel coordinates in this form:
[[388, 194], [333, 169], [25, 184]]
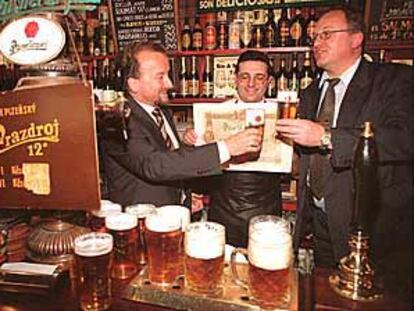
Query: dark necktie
[[161, 126], [319, 163]]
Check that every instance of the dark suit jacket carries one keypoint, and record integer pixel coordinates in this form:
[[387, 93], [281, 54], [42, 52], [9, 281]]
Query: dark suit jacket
[[142, 170], [382, 94]]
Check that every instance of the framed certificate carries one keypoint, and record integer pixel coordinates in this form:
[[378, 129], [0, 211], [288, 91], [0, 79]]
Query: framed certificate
[[213, 122]]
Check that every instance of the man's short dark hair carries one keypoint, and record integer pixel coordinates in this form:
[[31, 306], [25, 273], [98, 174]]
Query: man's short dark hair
[[135, 49], [353, 17], [254, 55]]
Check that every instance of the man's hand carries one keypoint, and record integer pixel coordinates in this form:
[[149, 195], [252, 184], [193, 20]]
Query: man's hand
[[303, 132], [190, 137], [249, 140]]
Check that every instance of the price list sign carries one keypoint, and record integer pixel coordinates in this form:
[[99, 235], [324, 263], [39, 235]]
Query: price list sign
[[48, 148], [142, 21]]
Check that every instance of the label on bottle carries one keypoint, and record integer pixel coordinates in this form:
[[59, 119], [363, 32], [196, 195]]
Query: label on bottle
[[284, 33], [197, 40], [305, 81], [186, 41], [211, 35], [269, 37], [296, 31], [184, 87], [207, 88], [234, 35], [282, 83], [195, 88]]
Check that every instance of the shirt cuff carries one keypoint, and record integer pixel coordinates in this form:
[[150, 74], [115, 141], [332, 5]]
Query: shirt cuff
[[224, 153]]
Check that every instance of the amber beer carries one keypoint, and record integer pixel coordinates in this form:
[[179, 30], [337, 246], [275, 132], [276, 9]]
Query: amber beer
[[164, 243], [270, 256], [141, 211], [97, 219], [93, 260], [204, 256], [123, 228]]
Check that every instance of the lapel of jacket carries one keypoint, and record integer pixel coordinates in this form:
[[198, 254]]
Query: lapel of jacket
[[142, 116], [312, 101], [355, 97]]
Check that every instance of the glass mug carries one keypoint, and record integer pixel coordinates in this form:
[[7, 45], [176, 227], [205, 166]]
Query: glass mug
[[141, 211], [97, 219], [123, 228], [204, 256], [269, 252], [163, 237], [93, 261]]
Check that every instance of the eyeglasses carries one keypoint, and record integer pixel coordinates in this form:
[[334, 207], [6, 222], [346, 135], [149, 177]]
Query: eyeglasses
[[327, 34], [246, 77]]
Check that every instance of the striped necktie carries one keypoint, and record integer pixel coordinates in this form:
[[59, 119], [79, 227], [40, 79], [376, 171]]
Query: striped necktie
[[319, 163], [161, 126]]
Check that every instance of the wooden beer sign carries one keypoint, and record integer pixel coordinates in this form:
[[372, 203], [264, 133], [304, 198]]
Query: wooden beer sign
[[48, 148]]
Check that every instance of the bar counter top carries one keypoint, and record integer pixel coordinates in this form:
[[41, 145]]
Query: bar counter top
[[64, 299]]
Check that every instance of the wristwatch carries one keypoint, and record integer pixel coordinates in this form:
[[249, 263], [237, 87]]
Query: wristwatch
[[326, 142]]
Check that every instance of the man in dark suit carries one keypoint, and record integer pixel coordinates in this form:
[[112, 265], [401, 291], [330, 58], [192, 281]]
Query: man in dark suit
[[150, 164], [382, 94]]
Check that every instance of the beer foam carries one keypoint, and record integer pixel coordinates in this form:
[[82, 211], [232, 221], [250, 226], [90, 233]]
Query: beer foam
[[140, 210], [205, 240], [183, 212], [120, 221], [107, 208], [93, 244], [163, 222], [270, 251]]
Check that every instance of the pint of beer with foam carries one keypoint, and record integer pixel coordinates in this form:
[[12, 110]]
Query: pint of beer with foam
[[204, 256], [93, 260], [163, 237], [270, 259]]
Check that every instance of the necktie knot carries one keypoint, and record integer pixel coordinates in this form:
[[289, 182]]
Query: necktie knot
[[332, 82]]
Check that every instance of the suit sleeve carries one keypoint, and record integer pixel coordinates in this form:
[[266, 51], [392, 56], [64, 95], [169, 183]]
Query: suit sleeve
[[143, 158], [390, 108]]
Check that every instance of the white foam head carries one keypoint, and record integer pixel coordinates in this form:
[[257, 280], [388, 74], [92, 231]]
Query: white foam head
[[270, 246], [93, 244], [121, 221], [163, 222], [140, 210], [107, 208], [182, 211], [205, 240]]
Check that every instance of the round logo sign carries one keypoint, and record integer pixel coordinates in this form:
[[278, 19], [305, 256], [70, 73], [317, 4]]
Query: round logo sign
[[32, 40]]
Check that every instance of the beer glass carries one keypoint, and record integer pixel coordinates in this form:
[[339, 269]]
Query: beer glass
[[164, 242], [123, 228], [93, 260], [204, 256], [270, 256], [141, 211], [97, 219]]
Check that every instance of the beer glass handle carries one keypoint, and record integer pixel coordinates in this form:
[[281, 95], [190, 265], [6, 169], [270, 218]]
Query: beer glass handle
[[233, 264]]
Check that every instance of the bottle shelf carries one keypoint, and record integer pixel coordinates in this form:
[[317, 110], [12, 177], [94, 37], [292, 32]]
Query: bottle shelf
[[390, 45], [287, 49], [194, 100], [100, 57]]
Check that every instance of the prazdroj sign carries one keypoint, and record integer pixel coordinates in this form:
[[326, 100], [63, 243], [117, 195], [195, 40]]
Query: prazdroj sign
[[32, 40], [14, 8]]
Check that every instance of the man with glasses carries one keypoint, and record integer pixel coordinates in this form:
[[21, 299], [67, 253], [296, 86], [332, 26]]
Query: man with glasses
[[358, 91], [237, 196], [150, 164]]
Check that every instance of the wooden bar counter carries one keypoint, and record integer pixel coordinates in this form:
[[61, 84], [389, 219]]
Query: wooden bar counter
[[64, 299]]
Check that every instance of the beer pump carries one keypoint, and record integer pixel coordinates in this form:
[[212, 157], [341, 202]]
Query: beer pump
[[356, 277]]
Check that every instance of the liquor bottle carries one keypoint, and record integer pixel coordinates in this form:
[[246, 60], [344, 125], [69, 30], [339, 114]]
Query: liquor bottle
[[234, 33], [282, 79], [184, 79], [194, 85], [309, 28], [197, 35], [103, 29], [207, 84], [365, 170], [246, 34], [90, 33], [283, 26], [296, 29], [293, 75], [270, 30], [306, 74], [80, 43], [186, 35], [210, 36], [257, 37], [96, 42], [271, 89], [222, 39]]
